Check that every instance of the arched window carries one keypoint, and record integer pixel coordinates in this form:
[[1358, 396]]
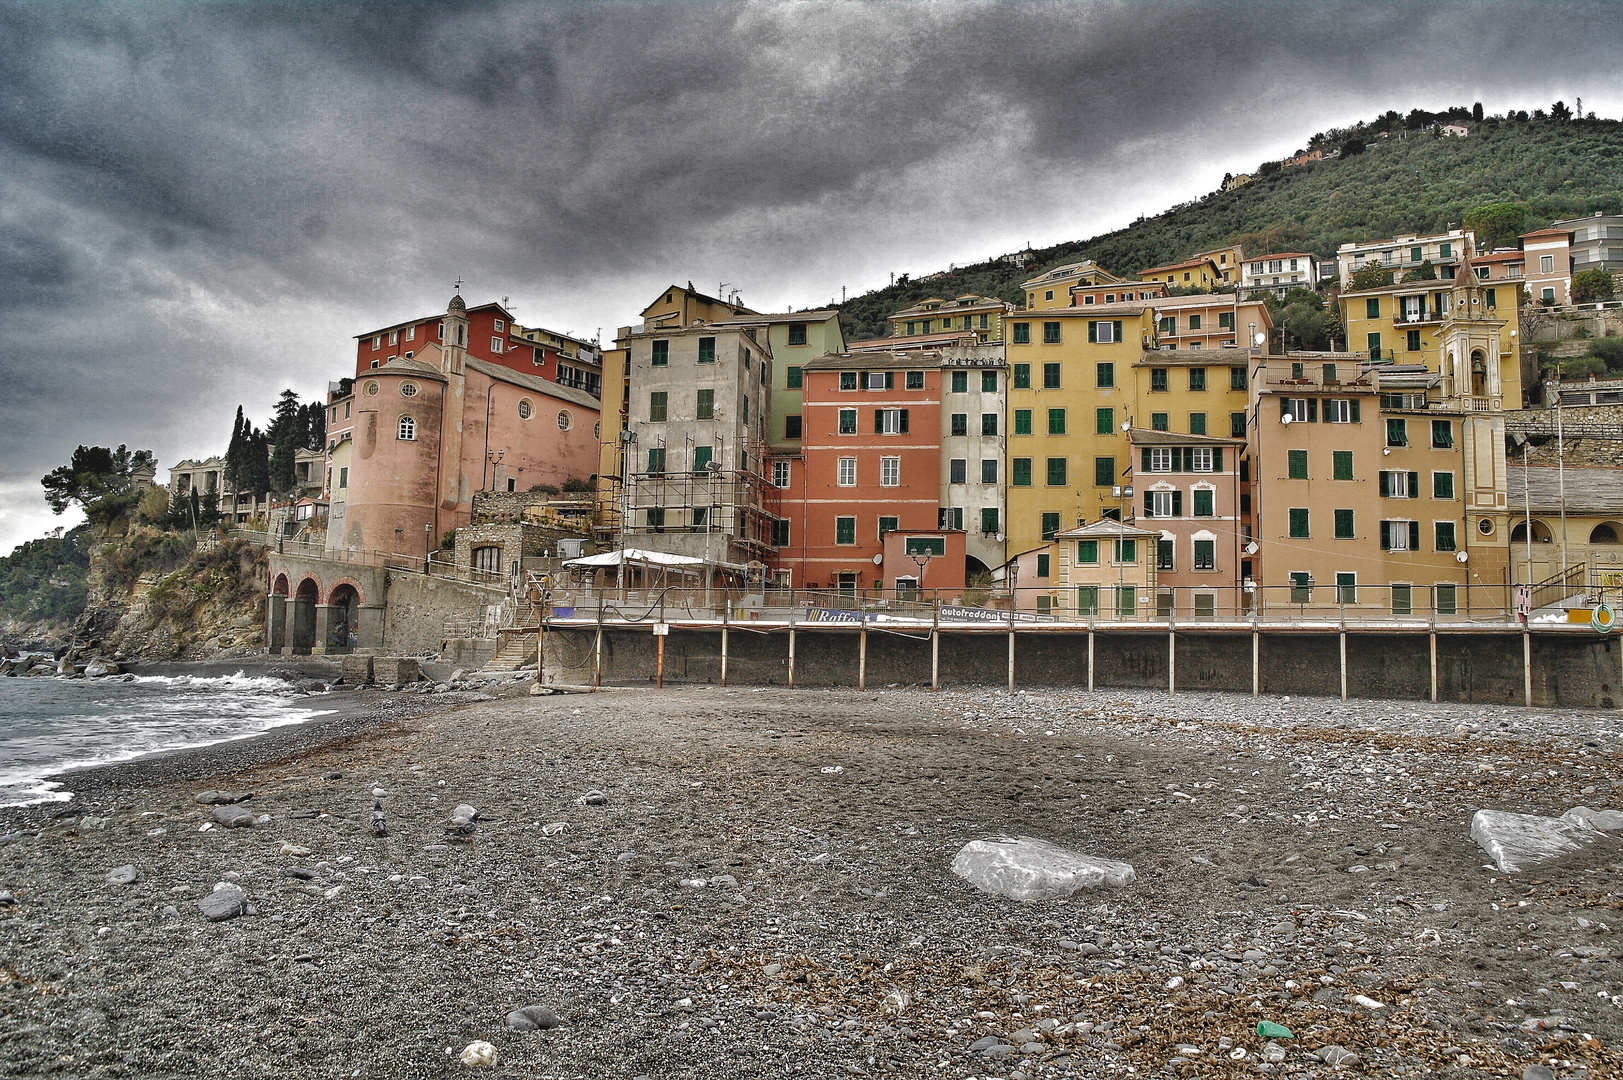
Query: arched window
[[1603, 533], [408, 429]]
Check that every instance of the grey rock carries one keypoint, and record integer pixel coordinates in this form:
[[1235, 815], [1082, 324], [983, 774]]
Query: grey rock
[[227, 901], [234, 817], [1028, 869], [1538, 1072], [123, 875], [169, 912], [1338, 1055], [533, 1018], [464, 814], [594, 797], [7, 899], [98, 668], [217, 798], [984, 1044]]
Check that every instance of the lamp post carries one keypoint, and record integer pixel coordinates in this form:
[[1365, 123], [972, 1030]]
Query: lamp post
[[922, 560], [428, 543]]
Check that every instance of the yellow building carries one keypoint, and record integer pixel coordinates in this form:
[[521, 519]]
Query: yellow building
[[1200, 272], [1211, 321], [1052, 288], [1229, 260], [980, 315], [1071, 388], [1461, 328]]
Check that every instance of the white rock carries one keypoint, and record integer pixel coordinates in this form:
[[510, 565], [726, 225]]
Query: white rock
[[1517, 841], [1604, 820], [478, 1055], [1027, 869], [1367, 1002]]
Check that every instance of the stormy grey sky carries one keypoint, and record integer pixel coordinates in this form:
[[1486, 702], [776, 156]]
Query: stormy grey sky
[[201, 204]]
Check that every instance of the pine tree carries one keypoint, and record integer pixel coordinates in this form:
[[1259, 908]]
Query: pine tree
[[316, 420]]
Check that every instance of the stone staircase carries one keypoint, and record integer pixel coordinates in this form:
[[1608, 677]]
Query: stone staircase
[[517, 651]]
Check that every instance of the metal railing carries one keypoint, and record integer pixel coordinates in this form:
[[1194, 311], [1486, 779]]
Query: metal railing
[[1309, 605], [438, 564]]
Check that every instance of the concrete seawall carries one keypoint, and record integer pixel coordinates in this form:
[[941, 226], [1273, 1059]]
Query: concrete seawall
[[1563, 668]]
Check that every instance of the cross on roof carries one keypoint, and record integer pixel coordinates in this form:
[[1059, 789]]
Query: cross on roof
[[457, 284]]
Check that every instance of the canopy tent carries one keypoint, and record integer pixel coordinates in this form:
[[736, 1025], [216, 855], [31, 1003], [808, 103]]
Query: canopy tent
[[635, 557]]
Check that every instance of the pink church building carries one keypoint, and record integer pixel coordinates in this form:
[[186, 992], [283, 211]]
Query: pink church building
[[418, 435]]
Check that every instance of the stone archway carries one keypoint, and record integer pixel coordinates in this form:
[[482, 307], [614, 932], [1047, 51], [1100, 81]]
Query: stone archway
[[341, 632], [276, 616], [303, 622]]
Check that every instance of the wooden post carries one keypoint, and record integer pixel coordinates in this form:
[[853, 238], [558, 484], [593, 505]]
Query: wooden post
[[1172, 660], [597, 648], [1011, 658], [659, 660], [862, 656], [1434, 664], [791, 652], [1256, 659], [1527, 666], [724, 613], [1343, 643], [1090, 654], [935, 649]]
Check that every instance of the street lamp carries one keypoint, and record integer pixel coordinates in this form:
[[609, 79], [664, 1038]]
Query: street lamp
[[922, 560]]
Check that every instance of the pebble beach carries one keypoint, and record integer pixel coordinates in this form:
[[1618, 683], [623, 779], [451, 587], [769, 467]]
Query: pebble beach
[[719, 883]]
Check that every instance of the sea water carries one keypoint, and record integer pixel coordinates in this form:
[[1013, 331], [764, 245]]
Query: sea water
[[50, 725]]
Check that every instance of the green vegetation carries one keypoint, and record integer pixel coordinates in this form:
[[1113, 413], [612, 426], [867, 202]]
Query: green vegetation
[[1589, 286], [1405, 179], [98, 480], [44, 580]]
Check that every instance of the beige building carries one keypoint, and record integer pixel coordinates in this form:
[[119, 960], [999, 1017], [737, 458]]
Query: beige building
[[1052, 288], [968, 314], [1377, 487], [1587, 536]]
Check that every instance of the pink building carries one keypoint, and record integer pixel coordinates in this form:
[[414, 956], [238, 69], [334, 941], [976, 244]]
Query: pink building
[[416, 438]]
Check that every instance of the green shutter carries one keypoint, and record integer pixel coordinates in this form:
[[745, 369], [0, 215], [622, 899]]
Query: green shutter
[[1217, 459], [1149, 505], [1117, 325], [1414, 536], [1312, 410], [1177, 504], [1355, 411], [1146, 459], [1093, 332], [1386, 485], [1386, 532]]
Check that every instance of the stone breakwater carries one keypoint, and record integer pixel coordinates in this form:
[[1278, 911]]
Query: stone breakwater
[[714, 883]]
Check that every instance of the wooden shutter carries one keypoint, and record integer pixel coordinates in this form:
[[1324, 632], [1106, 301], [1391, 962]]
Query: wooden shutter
[[1117, 325], [1149, 504], [1354, 412], [1093, 332], [1284, 407], [1386, 531], [1414, 485], [1217, 459], [904, 421], [879, 421], [890, 380], [1312, 410], [1414, 536], [1146, 459], [1177, 504], [1386, 491]]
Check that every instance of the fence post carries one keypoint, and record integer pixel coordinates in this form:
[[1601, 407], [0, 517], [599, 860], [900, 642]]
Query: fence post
[[935, 647], [1256, 655], [1090, 651], [1433, 643], [725, 612], [791, 650], [1172, 645], [1527, 666], [597, 649], [862, 652]]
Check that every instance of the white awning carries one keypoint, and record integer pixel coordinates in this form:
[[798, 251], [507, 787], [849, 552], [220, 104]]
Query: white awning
[[635, 557]]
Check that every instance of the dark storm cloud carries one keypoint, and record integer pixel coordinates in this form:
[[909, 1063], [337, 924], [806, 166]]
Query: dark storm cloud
[[200, 203]]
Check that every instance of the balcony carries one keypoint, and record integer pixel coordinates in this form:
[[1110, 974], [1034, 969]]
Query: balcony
[[1472, 403]]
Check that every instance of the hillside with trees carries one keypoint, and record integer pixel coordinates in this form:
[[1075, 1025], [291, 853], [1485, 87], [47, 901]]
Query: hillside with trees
[[1394, 174]]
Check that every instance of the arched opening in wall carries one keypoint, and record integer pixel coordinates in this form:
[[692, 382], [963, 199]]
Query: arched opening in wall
[[1605, 533], [488, 559], [1479, 374], [303, 619], [344, 607], [279, 586], [1541, 533]]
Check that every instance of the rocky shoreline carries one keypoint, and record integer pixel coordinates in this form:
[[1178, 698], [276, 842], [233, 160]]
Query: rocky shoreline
[[756, 883]]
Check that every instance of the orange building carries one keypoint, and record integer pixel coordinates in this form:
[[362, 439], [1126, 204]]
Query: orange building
[[871, 467]]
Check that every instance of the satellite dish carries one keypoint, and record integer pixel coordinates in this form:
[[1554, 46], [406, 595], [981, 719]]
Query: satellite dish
[[877, 559], [1386, 451], [1259, 339], [1127, 425], [1251, 548], [1460, 556], [1287, 419]]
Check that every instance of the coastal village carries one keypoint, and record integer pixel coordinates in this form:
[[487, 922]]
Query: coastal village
[[1113, 447]]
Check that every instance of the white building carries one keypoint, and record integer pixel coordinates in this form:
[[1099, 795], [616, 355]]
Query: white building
[[974, 386], [1401, 254], [1279, 273]]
